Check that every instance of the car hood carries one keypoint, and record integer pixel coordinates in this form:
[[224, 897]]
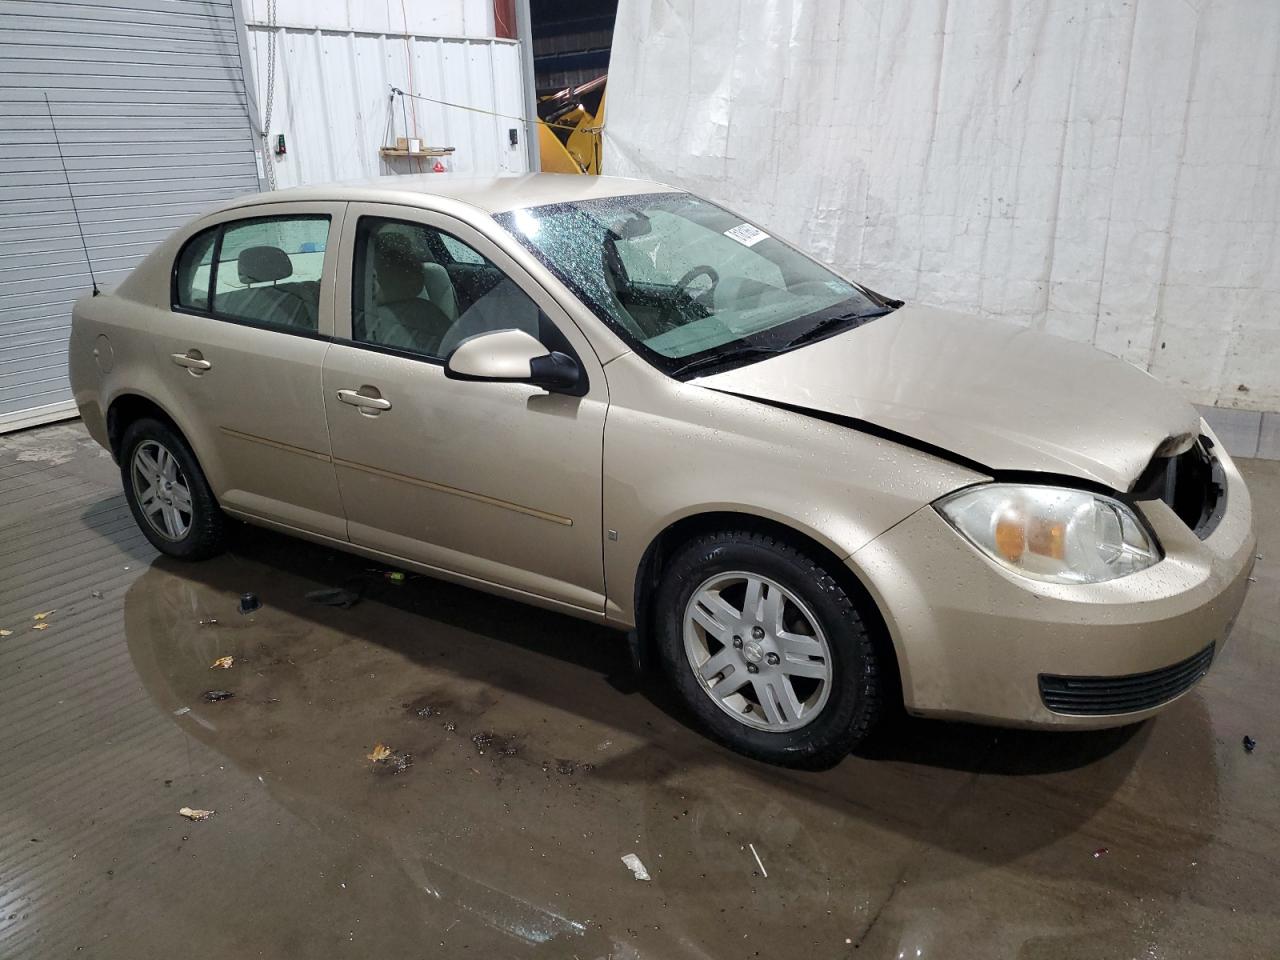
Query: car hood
[[1003, 397]]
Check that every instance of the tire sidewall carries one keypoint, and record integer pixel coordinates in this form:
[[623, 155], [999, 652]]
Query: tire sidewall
[[852, 701]]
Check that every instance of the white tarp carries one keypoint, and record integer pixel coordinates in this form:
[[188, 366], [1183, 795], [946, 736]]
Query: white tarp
[[1106, 171]]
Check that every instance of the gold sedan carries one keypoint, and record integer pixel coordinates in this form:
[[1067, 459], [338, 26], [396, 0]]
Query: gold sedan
[[618, 400]]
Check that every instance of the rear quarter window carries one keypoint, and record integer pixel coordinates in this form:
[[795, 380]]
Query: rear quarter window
[[193, 271]]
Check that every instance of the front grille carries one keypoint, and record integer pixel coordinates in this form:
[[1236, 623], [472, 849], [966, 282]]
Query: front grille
[[1192, 484], [1100, 696]]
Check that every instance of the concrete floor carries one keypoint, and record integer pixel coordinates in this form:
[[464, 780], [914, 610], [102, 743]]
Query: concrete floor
[[1158, 841]]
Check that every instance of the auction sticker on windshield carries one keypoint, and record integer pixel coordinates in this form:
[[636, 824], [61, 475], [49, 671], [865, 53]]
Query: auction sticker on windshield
[[746, 234]]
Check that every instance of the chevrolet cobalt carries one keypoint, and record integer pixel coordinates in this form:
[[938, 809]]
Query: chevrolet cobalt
[[618, 400]]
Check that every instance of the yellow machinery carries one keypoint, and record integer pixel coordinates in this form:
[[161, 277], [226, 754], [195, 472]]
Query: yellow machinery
[[570, 128]]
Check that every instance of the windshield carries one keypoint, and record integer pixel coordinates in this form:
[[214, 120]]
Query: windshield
[[684, 280]]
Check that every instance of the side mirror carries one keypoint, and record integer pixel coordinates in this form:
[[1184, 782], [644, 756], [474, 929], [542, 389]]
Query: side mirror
[[513, 356]]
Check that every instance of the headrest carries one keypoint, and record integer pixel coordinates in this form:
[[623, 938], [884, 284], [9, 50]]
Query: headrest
[[263, 264], [400, 275]]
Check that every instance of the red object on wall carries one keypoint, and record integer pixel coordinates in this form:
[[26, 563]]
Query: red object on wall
[[504, 18], [438, 167]]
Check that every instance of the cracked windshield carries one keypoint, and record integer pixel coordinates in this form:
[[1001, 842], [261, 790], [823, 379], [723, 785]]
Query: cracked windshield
[[681, 276]]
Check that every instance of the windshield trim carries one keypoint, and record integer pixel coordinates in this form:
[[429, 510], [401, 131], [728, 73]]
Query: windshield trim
[[737, 352]]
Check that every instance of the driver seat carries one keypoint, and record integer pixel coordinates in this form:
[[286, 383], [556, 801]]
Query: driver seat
[[400, 317]]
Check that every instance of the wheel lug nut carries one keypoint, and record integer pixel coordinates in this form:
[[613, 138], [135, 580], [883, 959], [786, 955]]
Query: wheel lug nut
[[772, 658], [757, 633], [752, 668], [737, 642]]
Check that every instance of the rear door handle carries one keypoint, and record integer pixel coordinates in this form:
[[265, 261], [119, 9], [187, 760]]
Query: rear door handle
[[192, 360], [358, 399]]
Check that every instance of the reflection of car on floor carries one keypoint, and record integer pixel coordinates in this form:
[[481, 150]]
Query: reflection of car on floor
[[618, 400]]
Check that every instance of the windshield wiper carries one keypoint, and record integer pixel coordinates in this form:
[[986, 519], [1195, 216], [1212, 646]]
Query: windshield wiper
[[751, 350], [825, 325], [727, 356]]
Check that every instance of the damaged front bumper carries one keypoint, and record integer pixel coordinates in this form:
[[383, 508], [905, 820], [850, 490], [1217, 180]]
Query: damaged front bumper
[[978, 642]]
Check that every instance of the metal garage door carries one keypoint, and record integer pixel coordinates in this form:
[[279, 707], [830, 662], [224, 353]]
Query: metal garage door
[[150, 105]]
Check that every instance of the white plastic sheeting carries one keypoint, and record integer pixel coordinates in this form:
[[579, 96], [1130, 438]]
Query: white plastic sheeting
[[332, 103], [1106, 171]]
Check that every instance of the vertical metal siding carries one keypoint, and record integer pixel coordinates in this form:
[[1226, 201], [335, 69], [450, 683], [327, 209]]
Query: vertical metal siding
[[331, 101], [149, 100]]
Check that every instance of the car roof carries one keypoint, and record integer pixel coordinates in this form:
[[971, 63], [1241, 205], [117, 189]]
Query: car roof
[[491, 194]]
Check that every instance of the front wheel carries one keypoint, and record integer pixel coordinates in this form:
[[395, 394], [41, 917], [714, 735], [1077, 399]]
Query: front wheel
[[167, 492], [767, 649]]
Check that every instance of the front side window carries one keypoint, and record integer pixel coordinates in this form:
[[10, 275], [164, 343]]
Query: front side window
[[458, 251], [264, 271], [419, 290], [684, 280]]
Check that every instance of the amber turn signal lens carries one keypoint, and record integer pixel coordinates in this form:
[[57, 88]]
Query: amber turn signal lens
[[1011, 538], [1015, 536], [1048, 539]]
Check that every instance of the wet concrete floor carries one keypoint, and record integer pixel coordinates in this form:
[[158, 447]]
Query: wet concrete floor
[[537, 762]]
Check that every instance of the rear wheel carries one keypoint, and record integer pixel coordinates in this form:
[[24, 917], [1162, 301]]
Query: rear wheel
[[767, 649], [167, 492]]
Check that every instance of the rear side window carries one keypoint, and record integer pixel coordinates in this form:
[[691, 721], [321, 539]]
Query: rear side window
[[265, 271]]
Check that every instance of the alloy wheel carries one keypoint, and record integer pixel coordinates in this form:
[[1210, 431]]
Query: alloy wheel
[[758, 651], [162, 490]]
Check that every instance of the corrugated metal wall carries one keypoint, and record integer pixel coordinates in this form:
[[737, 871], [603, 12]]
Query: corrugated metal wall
[[149, 100], [332, 101], [429, 18]]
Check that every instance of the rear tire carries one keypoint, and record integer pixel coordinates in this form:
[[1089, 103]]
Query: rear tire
[[168, 494], [774, 628]]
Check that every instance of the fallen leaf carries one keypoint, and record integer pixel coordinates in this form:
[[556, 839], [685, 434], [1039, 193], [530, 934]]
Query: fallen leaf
[[196, 814], [40, 626], [45, 615], [222, 663], [380, 752], [6, 633]]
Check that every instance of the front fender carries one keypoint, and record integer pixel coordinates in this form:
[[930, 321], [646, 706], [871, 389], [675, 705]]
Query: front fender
[[673, 450]]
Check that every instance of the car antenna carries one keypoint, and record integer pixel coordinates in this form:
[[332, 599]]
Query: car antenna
[[71, 193]]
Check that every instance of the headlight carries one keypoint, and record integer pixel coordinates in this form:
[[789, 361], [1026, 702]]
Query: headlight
[[1052, 533]]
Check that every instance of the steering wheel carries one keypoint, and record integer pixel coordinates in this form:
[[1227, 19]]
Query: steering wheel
[[699, 271]]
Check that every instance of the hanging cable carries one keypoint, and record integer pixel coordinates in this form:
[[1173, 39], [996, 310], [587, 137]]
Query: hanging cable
[[408, 69], [268, 165], [388, 129], [75, 212], [494, 113]]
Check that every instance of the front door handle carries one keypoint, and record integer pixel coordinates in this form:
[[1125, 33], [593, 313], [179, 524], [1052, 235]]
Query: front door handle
[[193, 360], [358, 399]]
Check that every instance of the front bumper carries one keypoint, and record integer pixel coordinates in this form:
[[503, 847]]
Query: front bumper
[[974, 640]]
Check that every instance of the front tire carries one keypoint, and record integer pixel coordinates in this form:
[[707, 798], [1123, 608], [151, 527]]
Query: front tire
[[767, 649], [168, 494]]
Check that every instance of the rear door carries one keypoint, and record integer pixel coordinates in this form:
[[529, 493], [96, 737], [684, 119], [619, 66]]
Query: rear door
[[499, 482], [243, 353]]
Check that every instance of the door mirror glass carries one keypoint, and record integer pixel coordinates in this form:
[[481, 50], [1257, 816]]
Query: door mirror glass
[[513, 356]]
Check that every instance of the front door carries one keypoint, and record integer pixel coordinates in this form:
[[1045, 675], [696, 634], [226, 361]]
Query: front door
[[499, 482], [242, 354]]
